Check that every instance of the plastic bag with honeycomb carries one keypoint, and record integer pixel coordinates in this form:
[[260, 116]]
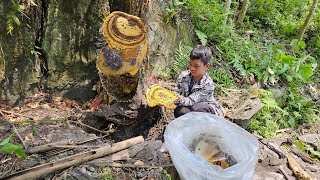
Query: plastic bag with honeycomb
[[184, 134]]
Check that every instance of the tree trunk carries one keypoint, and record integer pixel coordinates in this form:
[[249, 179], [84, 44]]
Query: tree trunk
[[243, 12], [226, 10], [308, 19]]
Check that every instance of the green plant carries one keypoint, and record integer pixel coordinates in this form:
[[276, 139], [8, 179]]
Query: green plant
[[107, 174], [181, 59], [166, 174], [7, 147], [173, 10], [308, 149], [12, 14], [202, 36], [221, 77], [269, 118]]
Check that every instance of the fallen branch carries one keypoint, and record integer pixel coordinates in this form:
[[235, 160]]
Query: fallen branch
[[32, 121], [272, 147], [305, 157], [67, 143], [17, 114], [17, 133], [132, 165], [285, 174], [73, 160], [297, 170], [101, 131], [49, 147]]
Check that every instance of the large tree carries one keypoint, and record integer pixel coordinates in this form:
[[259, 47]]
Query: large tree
[[243, 12], [308, 19]]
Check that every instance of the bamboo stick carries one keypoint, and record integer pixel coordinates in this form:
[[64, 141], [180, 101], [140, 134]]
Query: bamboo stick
[[73, 160]]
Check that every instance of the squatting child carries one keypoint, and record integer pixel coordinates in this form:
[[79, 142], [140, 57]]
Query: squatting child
[[195, 86]]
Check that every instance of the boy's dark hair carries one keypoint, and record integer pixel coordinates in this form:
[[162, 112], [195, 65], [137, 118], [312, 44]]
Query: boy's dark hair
[[201, 52]]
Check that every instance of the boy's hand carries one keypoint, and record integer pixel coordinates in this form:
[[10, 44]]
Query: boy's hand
[[177, 102]]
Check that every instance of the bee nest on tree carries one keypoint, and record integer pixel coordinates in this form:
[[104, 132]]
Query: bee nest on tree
[[119, 62]]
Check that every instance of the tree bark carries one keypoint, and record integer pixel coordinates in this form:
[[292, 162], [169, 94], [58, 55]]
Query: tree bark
[[242, 14], [226, 10], [308, 19]]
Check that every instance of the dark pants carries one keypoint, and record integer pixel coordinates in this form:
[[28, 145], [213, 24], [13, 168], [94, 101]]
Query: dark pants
[[198, 107]]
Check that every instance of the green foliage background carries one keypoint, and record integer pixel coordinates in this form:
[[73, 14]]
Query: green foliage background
[[264, 47]]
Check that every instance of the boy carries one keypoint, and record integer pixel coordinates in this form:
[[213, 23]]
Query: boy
[[195, 86]]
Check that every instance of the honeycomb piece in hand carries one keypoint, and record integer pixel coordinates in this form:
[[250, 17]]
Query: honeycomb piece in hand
[[158, 95]]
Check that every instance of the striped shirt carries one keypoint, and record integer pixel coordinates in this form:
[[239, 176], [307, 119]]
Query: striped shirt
[[197, 92]]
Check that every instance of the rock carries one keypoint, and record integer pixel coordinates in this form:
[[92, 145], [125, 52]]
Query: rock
[[313, 139], [268, 176], [139, 163]]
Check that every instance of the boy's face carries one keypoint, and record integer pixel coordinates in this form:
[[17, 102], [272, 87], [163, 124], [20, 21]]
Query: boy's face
[[197, 68]]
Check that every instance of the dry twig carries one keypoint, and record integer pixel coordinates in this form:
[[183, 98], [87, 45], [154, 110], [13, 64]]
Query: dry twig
[[17, 114]]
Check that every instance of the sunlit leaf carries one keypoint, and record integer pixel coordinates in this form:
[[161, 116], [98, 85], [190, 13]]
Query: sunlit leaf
[[5, 141], [270, 70], [305, 72], [19, 151], [202, 36], [9, 148], [288, 59], [16, 20]]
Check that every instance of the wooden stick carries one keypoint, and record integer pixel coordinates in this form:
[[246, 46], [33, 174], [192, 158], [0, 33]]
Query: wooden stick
[[17, 114], [67, 143], [300, 173], [75, 146], [1, 113], [285, 174], [132, 165], [273, 147], [73, 160], [305, 157], [17, 133], [33, 121], [49, 147], [101, 131]]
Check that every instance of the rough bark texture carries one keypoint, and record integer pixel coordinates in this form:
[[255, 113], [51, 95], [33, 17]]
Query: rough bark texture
[[66, 34], [308, 19], [243, 12], [226, 10]]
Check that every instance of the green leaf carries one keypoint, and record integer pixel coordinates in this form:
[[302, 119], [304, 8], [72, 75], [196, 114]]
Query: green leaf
[[287, 59], [202, 36], [296, 114], [305, 72], [16, 20], [19, 151], [270, 70], [5, 141], [284, 69], [299, 144], [302, 44], [9, 148], [292, 121]]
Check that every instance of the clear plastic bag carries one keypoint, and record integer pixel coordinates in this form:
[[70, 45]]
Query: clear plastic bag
[[184, 133]]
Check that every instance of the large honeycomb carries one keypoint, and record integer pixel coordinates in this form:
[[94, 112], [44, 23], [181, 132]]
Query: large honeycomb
[[119, 61], [158, 95], [127, 44]]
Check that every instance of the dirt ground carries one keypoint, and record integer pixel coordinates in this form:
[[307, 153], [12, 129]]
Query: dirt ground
[[45, 119]]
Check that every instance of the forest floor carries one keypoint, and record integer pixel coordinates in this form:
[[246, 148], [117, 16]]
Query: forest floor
[[45, 119]]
